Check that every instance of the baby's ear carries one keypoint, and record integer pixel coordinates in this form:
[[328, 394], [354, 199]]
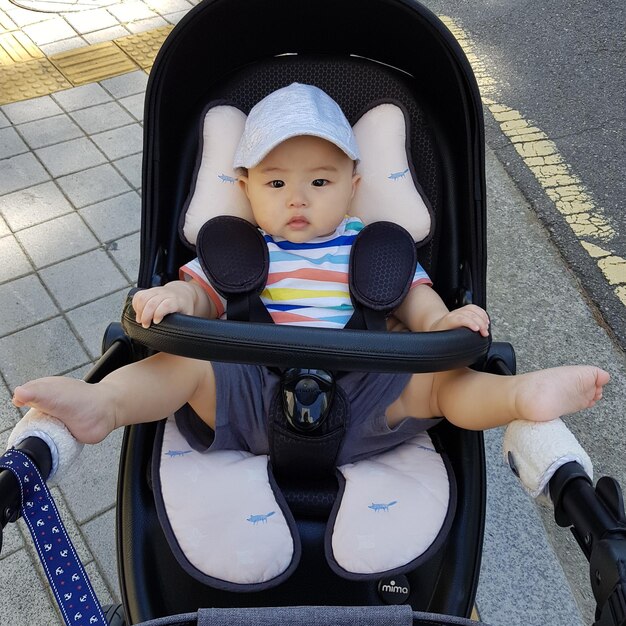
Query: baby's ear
[[356, 179], [242, 181]]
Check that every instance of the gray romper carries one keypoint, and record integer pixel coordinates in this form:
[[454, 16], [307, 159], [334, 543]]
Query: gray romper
[[244, 394]]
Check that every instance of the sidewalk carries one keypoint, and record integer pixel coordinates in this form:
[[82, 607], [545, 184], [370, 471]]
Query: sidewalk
[[70, 177]]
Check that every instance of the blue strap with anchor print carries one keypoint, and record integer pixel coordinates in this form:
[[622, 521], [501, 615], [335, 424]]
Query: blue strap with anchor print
[[68, 580]]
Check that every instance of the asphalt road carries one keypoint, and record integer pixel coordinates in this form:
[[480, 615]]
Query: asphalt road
[[562, 65]]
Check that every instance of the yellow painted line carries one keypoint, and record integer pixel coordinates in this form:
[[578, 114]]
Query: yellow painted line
[[587, 221]]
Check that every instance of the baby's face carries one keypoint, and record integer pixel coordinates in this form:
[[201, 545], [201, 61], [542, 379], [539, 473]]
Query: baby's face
[[301, 189]]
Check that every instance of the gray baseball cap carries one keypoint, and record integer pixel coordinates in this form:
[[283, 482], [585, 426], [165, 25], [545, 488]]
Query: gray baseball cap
[[290, 112]]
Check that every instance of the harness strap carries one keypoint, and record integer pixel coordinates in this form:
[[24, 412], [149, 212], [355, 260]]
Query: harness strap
[[382, 265], [234, 256], [68, 580]]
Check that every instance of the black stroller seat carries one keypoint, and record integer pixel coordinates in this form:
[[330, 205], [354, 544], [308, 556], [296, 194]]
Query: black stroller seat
[[432, 83]]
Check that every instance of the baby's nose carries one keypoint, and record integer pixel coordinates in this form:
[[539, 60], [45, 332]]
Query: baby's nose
[[298, 199]]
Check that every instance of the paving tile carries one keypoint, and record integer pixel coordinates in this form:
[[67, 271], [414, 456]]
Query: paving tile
[[82, 279], [174, 18], [9, 416], [141, 26], [12, 539], [125, 251], [46, 132], [130, 168], [130, 11], [4, 120], [5, 22], [114, 218], [11, 143], [87, 21], [22, 17], [24, 302], [93, 185], [134, 104], [168, 6], [106, 34], [4, 229], [58, 47], [13, 262], [21, 171], [91, 320], [126, 84], [100, 536], [70, 156], [34, 205], [120, 142], [29, 110], [103, 593], [57, 240], [80, 372], [102, 117], [28, 602], [80, 97], [46, 349], [89, 493], [49, 31]]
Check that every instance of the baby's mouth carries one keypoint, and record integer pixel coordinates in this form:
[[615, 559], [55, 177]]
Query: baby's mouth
[[298, 221]]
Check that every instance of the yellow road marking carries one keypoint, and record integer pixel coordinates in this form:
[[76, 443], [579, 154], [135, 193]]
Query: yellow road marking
[[588, 222]]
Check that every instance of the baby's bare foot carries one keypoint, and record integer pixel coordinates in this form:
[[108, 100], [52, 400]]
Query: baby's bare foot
[[547, 394]]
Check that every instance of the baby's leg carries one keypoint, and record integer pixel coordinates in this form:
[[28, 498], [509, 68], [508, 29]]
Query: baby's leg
[[144, 391], [477, 400]]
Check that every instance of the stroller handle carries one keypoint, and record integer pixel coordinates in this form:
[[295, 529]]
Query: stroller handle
[[322, 348]]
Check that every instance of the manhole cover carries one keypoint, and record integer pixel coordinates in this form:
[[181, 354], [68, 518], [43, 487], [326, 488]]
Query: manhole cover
[[56, 6]]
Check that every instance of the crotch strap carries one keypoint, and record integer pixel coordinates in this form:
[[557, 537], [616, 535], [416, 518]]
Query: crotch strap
[[312, 455]]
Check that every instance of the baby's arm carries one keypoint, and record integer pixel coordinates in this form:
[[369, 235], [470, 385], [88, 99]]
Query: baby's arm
[[424, 310], [178, 296]]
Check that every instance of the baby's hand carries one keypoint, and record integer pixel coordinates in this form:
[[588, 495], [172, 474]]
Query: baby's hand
[[152, 305], [469, 316]]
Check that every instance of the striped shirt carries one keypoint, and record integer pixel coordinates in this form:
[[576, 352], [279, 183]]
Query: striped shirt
[[307, 283]]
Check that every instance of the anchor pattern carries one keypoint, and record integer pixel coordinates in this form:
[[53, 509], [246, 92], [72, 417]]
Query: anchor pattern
[[68, 580]]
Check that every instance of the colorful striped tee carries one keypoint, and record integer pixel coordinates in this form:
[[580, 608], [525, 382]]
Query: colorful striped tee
[[307, 283]]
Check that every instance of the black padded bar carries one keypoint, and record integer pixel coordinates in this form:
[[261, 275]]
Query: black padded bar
[[290, 346]]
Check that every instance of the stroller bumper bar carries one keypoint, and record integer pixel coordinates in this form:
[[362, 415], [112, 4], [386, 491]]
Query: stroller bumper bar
[[321, 348]]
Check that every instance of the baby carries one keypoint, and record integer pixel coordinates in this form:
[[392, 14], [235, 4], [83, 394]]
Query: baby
[[297, 167]]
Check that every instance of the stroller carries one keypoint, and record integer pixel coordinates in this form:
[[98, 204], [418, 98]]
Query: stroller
[[428, 74]]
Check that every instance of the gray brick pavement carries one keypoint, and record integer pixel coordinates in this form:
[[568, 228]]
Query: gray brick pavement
[[69, 220]]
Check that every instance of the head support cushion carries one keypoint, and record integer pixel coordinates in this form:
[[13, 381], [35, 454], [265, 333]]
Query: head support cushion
[[388, 189]]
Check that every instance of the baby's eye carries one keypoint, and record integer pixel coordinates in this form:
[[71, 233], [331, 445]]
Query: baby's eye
[[276, 184], [319, 182]]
